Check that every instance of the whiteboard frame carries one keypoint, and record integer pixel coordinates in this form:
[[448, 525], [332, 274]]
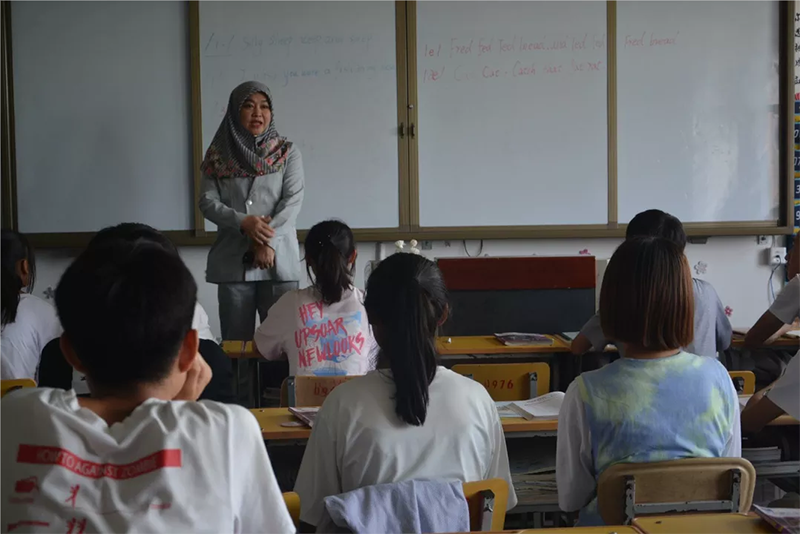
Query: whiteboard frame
[[408, 172], [371, 234], [613, 228]]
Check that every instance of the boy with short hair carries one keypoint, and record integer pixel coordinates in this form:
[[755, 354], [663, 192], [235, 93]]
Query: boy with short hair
[[139, 455], [712, 329]]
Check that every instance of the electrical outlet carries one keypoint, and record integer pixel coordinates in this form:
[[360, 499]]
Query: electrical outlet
[[427, 245], [777, 255], [762, 239]]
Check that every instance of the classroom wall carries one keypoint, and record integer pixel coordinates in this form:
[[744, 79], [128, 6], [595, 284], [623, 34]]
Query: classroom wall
[[736, 267]]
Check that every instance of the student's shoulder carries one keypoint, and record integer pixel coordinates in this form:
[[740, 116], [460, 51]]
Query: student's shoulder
[[290, 299], [468, 390], [703, 289], [34, 305], [706, 365], [215, 416], [358, 386], [37, 400]]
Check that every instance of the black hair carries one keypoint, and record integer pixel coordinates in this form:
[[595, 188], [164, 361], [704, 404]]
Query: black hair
[[132, 232], [406, 301], [15, 247], [329, 246], [656, 223], [126, 307]]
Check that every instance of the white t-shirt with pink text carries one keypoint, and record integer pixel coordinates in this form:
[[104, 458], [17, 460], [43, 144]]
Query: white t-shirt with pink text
[[318, 339], [170, 466]]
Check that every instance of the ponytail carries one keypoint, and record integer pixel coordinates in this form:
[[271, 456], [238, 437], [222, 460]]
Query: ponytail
[[407, 298], [329, 246], [15, 248]]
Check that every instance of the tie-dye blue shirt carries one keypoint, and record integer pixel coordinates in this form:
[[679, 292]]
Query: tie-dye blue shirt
[[634, 410]]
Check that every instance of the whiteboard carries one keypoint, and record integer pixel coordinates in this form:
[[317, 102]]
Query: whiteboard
[[512, 113], [331, 67], [697, 93], [102, 115]]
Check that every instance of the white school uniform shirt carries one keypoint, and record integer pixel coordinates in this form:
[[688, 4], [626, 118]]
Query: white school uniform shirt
[[199, 323], [358, 440], [170, 466], [22, 341], [787, 304], [785, 393], [317, 338]]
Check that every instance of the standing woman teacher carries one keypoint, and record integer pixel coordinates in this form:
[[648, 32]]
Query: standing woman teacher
[[252, 190]]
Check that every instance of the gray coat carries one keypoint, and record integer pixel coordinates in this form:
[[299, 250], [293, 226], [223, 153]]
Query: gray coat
[[227, 201]]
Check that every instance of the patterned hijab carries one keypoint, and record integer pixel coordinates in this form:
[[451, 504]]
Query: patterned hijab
[[234, 152]]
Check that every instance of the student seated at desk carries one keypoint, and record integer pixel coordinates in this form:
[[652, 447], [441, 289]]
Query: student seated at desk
[[712, 330], [657, 402], [783, 396], [28, 322], [55, 371], [139, 455], [783, 311], [323, 329], [410, 418]]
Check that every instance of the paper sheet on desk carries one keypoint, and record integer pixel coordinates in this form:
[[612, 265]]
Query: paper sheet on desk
[[543, 407], [504, 411]]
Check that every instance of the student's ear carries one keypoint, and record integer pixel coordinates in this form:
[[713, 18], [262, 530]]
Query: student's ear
[[24, 271], [69, 354], [353, 256], [189, 349], [445, 315]]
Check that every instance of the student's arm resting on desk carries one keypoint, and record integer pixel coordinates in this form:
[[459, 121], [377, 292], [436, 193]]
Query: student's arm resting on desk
[[319, 471], [764, 328], [590, 337], [258, 504], [783, 311], [775, 400], [285, 216], [760, 410], [574, 463]]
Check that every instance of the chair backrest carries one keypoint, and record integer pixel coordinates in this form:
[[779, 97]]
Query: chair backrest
[[745, 382], [487, 501], [292, 500], [309, 390], [7, 386], [627, 490], [509, 381]]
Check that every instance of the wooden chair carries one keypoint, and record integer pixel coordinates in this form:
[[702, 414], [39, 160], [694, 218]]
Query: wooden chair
[[292, 500], [509, 381], [309, 390], [744, 381], [628, 490], [487, 501], [7, 386]]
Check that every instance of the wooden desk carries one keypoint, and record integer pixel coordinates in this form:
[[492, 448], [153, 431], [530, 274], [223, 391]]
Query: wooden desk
[[462, 345], [270, 420], [783, 342], [703, 524]]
